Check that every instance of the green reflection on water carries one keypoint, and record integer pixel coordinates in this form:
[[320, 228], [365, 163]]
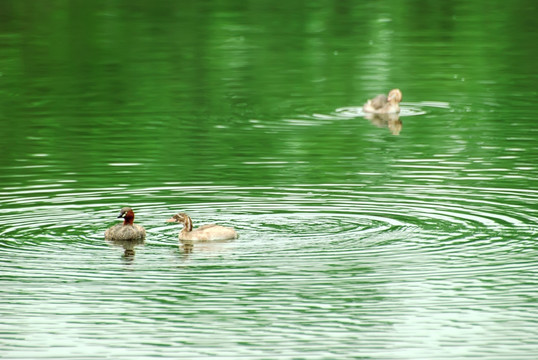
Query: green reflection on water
[[137, 94], [200, 91]]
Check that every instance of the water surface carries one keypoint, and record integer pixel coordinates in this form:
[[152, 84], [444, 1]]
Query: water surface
[[385, 238]]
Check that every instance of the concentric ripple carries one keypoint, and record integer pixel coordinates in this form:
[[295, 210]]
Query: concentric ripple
[[330, 212], [406, 109], [382, 261]]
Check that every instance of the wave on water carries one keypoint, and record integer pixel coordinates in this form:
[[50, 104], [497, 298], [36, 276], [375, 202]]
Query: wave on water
[[369, 260], [406, 109]]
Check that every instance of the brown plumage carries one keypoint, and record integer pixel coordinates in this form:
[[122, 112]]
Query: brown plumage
[[210, 232], [126, 231], [382, 104]]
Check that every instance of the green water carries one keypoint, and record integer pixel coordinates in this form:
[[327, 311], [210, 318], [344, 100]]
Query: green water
[[366, 239]]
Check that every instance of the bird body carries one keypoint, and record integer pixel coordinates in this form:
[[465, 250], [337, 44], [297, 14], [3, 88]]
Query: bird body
[[383, 104], [209, 232], [128, 230]]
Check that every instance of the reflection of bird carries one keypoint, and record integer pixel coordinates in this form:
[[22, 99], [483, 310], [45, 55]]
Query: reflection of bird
[[210, 232], [126, 231], [382, 104], [391, 121], [128, 245]]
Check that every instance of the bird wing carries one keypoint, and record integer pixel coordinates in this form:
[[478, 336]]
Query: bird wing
[[379, 101]]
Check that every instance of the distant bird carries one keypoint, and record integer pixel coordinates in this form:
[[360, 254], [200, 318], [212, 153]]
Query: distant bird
[[210, 232], [126, 231], [382, 104]]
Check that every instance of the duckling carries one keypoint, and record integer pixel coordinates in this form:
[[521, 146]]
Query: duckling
[[126, 231], [382, 104], [210, 232]]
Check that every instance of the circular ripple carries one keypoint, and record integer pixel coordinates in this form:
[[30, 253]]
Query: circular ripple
[[305, 212], [382, 258], [356, 111], [324, 224], [406, 109]]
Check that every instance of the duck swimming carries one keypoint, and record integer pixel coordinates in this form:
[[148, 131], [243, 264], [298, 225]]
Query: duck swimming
[[126, 231], [382, 104], [210, 232]]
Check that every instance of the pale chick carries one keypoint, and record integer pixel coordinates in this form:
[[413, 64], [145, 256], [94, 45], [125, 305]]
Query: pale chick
[[210, 232], [382, 104]]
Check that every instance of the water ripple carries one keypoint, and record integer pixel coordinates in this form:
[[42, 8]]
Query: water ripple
[[329, 213], [392, 260], [406, 109]]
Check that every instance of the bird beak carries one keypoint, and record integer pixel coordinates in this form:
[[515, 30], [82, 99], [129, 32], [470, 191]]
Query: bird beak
[[171, 220], [120, 215]]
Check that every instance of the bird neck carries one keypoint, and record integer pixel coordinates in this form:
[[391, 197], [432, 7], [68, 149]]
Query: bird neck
[[128, 219], [187, 223]]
